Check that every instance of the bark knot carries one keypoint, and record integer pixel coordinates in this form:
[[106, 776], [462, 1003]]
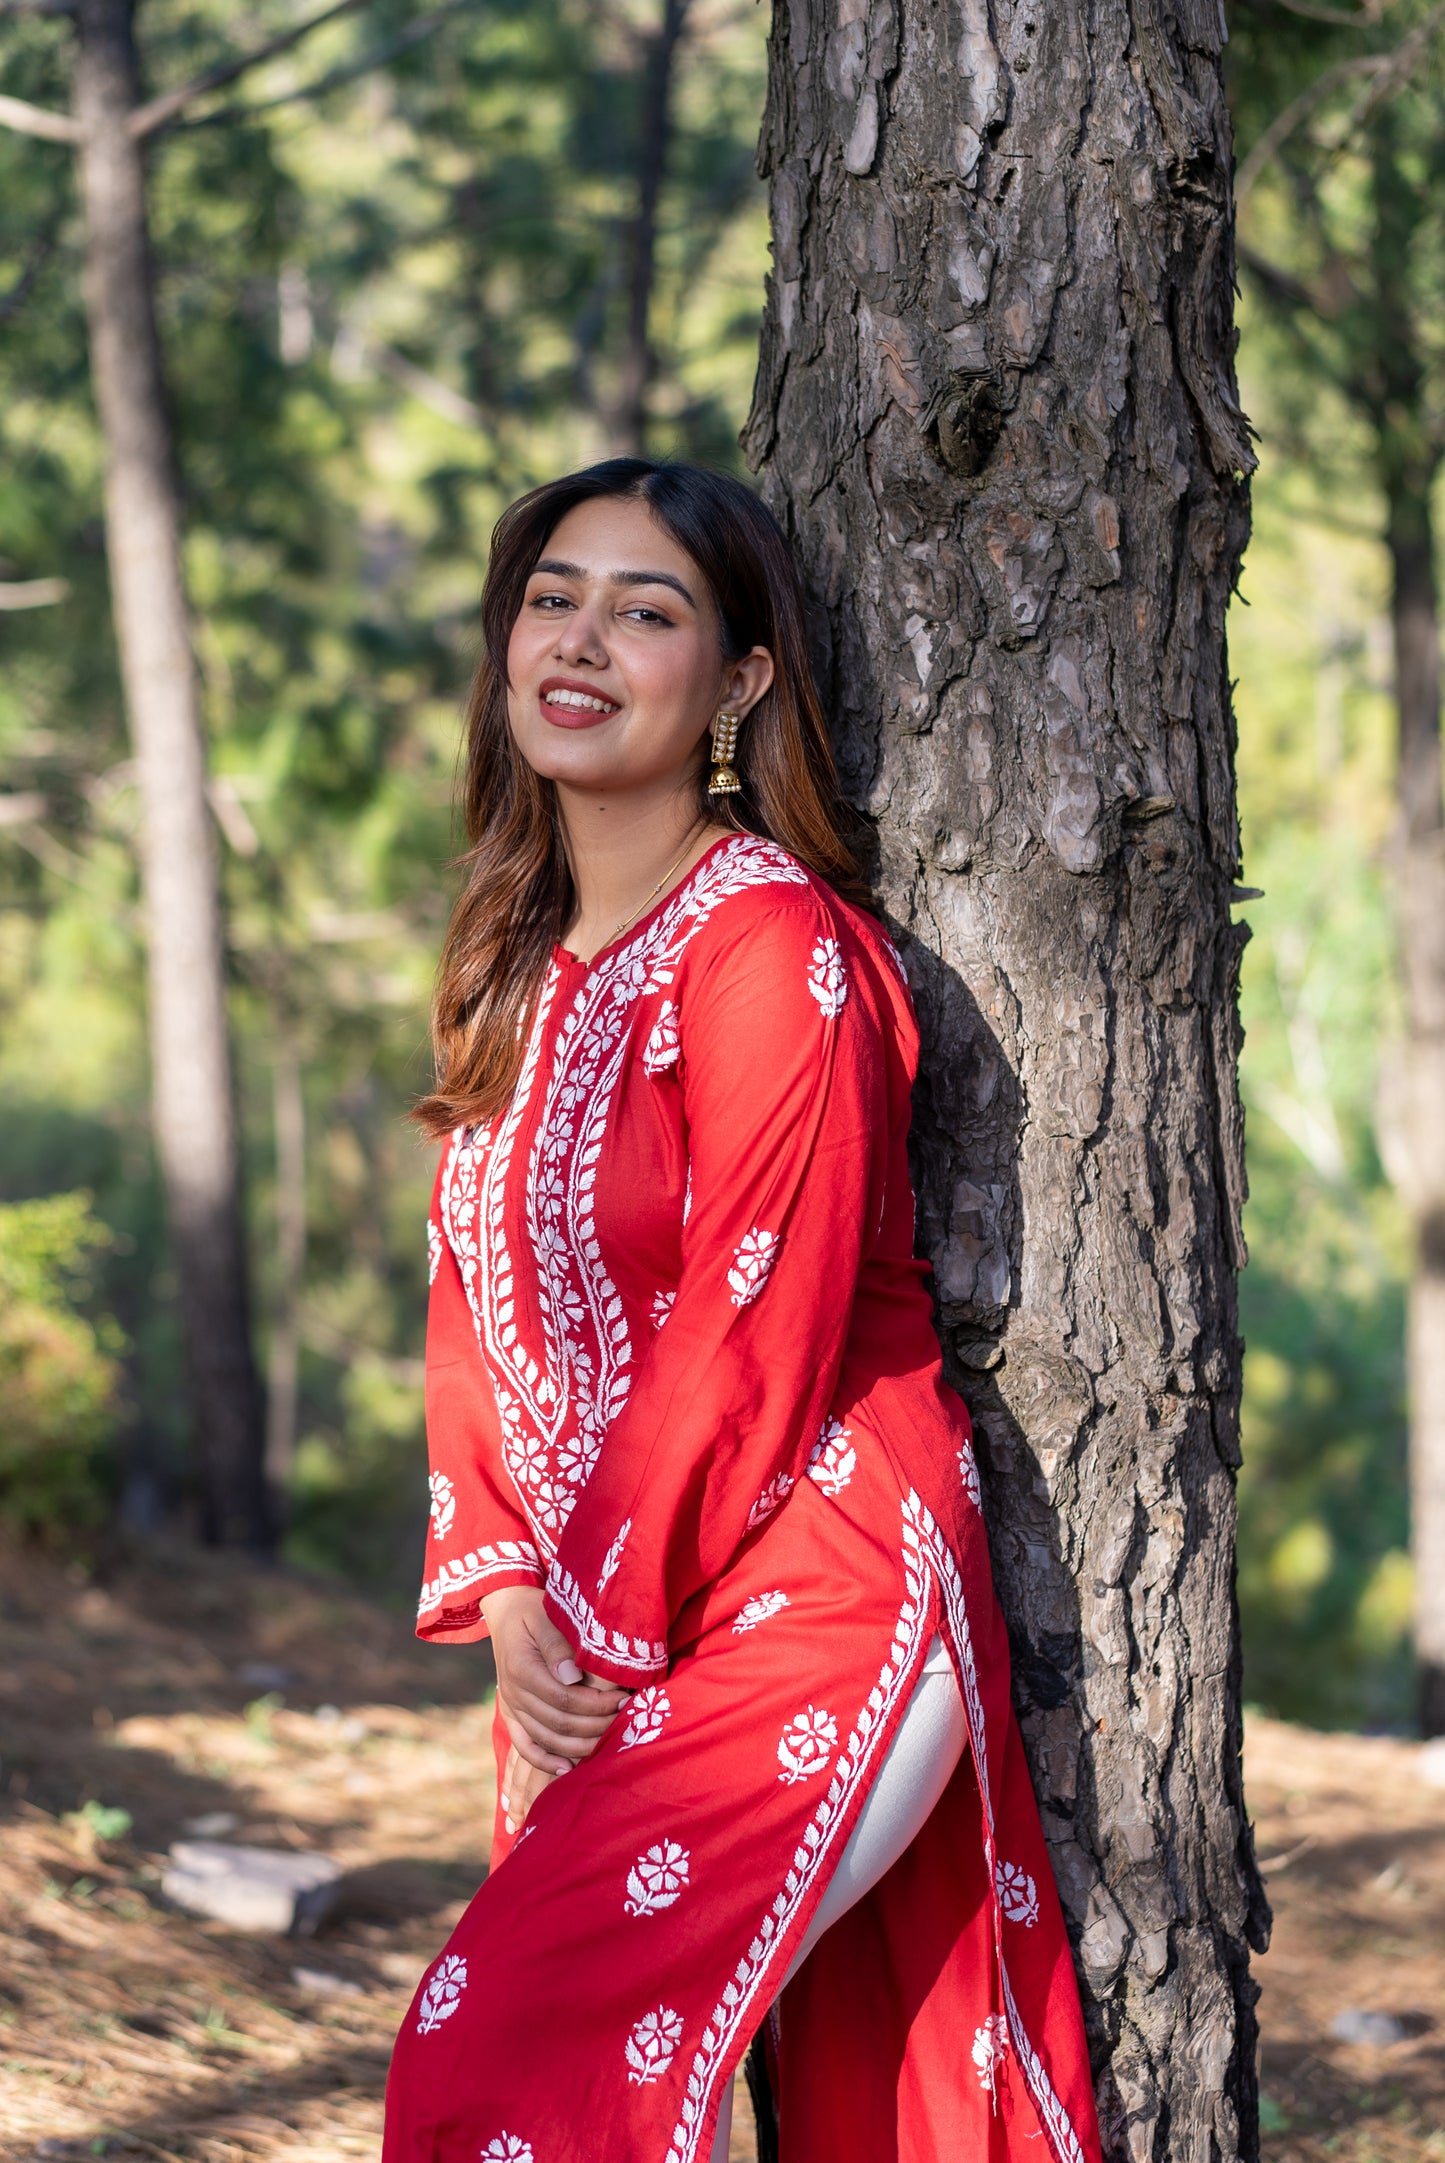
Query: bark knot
[[963, 420]]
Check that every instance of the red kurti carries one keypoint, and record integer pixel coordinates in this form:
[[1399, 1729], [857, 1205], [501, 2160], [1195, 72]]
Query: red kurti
[[681, 1369]]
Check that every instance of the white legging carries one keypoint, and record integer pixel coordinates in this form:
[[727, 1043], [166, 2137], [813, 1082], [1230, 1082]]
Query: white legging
[[919, 1765]]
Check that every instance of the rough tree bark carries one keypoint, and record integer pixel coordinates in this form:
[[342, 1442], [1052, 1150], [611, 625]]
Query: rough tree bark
[[194, 1119], [995, 409]]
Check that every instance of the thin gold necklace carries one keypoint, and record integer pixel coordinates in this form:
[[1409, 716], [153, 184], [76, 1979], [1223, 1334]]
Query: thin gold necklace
[[691, 837]]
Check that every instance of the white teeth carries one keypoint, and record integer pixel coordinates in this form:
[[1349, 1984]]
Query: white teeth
[[580, 698]]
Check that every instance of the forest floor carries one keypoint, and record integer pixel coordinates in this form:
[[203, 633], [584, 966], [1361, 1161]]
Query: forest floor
[[200, 1686]]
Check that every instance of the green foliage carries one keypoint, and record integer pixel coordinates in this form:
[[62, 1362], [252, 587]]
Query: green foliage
[[59, 1370]]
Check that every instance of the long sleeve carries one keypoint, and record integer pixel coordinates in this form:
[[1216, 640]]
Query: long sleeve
[[785, 1101], [478, 1539]]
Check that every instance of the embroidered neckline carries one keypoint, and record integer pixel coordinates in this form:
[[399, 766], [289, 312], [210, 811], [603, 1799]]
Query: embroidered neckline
[[566, 959]]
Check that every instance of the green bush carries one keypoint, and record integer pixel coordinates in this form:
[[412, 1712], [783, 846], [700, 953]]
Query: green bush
[[59, 1367]]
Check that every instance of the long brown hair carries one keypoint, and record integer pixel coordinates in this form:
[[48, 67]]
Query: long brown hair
[[518, 893]]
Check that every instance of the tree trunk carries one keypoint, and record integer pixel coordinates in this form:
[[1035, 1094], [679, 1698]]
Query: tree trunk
[[190, 1055], [995, 410], [284, 1366], [654, 130], [1420, 892]]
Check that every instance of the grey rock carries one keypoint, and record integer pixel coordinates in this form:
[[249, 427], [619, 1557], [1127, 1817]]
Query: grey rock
[[1377, 2031], [267, 1890], [213, 1824], [323, 1984]]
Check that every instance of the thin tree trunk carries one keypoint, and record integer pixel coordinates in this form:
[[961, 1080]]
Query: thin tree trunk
[[655, 129], [284, 1366], [190, 1056], [1420, 888], [995, 409]]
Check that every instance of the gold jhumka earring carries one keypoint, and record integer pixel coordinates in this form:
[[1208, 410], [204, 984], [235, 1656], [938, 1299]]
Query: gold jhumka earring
[[723, 781]]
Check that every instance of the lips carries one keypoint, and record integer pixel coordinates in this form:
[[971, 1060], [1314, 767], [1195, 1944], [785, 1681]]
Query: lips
[[572, 705]]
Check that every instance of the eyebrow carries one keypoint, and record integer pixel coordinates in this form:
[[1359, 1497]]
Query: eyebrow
[[555, 568]]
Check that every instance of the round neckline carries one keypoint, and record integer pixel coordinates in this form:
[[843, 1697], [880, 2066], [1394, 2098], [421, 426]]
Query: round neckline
[[566, 959]]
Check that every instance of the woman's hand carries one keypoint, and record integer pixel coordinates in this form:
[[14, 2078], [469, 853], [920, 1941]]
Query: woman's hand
[[521, 1785], [555, 1715]]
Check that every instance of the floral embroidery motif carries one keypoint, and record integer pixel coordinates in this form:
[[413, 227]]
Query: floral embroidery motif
[[648, 1655], [752, 1266], [662, 1306], [612, 1557], [433, 1250], [506, 2148], [646, 1711], [513, 1558], [828, 979], [776, 1491], [443, 1994], [652, 2045], [662, 1046], [563, 1389], [990, 2047], [968, 1473], [760, 1608], [687, 1194], [832, 1460], [443, 1504], [805, 1745], [657, 1878], [1017, 1895]]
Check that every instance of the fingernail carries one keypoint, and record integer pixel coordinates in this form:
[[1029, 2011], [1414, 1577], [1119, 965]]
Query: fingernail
[[511, 1825], [506, 1804], [568, 1671]]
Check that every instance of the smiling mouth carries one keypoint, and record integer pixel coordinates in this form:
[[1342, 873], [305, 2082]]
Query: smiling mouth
[[572, 708]]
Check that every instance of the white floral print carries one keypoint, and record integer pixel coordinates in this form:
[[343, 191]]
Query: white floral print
[[443, 1504], [646, 1711], [506, 2148], [1017, 1894], [827, 978], [832, 1461], [576, 1456], [652, 2045], [443, 1994], [990, 2044], [752, 1266], [433, 1250], [968, 1473], [806, 1745], [613, 1556], [776, 1491], [760, 1608], [657, 1878], [662, 1306], [662, 1046]]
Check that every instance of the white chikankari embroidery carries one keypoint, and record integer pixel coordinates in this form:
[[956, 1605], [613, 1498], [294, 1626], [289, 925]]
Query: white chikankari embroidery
[[433, 1250], [443, 1504], [652, 2045], [1017, 1894], [990, 2047], [512, 1558], [506, 2148], [760, 1608], [443, 1994], [662, 1306], [647, 1655], [968, 1473], [828, 979], [687, 1194], [612, 1557], [561, 1387], [657, 1878], [832, 1460], [776, 1491], [752, 1266], [646, 1711], [662, 1046], [753, 1978], [805, 1745]]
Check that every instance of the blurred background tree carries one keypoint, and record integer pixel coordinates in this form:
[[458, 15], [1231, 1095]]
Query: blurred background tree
[[397, 285]]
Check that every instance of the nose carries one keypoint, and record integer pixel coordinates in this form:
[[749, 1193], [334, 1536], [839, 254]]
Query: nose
[[579, 638]]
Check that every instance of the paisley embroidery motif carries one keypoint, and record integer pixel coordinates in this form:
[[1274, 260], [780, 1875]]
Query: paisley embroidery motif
[[663, 1045], [760, 1608], [776, 1491], [990, 2047]]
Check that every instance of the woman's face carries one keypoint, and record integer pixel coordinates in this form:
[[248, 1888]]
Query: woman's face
[[614, 666]]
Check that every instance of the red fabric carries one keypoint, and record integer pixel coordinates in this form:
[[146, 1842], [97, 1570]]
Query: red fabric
[[682, 1371]]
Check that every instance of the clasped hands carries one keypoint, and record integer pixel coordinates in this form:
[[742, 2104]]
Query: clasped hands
[[555, 1715]]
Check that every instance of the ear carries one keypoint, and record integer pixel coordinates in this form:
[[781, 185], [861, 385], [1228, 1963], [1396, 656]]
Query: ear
[[744, 682]]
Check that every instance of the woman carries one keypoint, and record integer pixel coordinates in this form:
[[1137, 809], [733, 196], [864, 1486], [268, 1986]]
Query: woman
[[694, 1466]]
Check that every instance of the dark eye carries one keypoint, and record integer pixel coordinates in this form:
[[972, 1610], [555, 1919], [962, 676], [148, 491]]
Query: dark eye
[[550, 601], [648, 615]]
